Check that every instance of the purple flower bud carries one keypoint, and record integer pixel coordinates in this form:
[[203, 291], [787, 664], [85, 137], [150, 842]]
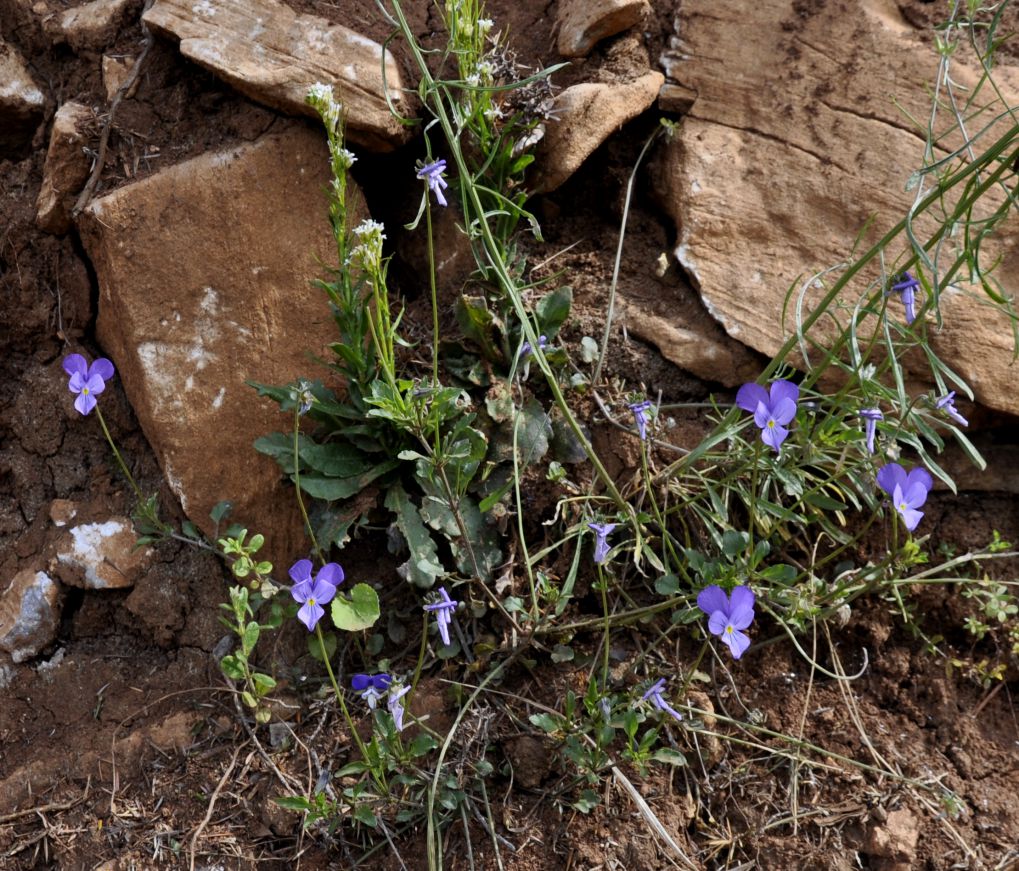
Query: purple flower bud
[[654, 695], [947, 405], [906, 287], [641, 417], [870, 417], [443, 610], [432, 174], [601, 543]]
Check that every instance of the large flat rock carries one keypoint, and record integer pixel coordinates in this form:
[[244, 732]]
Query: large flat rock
[[274, 55], [21, 101], [204, 274], [793, 143]]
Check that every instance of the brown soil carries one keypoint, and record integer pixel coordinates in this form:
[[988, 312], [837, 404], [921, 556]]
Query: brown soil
[[121, 746]]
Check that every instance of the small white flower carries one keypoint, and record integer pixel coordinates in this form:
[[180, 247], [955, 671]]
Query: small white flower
[[485, 25], [368, 227], [347, 158], [321, 93]]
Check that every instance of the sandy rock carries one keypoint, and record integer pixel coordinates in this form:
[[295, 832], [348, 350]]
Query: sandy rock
[[584, 23], [116, 69], [776, 168], [90, 26], [274, 55], [588, 114], [204, 273], [101, 556], [65, 170], [894, 841], [21, 101], [62, 512], [29, 614]]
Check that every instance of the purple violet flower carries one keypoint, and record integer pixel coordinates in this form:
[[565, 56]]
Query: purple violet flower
[[641, 417], [526, 350], [432, 174], [772, 410], [947, 405], [654, 695], [908, 491], [906, 287], [727, 616], [313, 594], [371, 687], [88, 381], [601, 541], [443, 609], [396, 694], [871, 416]]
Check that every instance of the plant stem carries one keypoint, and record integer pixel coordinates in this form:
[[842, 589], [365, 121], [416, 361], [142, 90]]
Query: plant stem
[[116, 453], [297, 487]]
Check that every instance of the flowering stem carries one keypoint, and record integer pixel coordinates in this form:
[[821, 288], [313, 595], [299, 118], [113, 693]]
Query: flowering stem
[[435, 295], [619, 256], [297, 486], [694, 667], [116, 453], [498, 263], [339, 698], [603, 585]]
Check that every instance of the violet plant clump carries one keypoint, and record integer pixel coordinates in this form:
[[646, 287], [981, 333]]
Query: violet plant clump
[[772, 409], [729, 615], [908, 491]]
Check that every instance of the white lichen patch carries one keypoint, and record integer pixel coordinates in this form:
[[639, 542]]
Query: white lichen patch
[[217, 402]]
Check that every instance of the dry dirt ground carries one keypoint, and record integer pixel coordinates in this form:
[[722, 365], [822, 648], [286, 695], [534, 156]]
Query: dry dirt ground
[[121, 746]]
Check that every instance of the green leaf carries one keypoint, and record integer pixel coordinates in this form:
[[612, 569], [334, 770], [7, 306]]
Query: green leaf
[[423, 567], [364, 814], [546, 722], [220, 510], [826, 503], [553, 309], [482, 538], [263, 683], [294, 803], [667, 585], [250, 637], [562, 653], [232, 667], [422, 745], [358, 612], [479, 325], [588, 801], [352, 768], [332, 489], [668, 756]]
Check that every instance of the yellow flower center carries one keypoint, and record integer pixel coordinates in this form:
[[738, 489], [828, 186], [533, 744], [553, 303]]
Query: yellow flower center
[[771, 424], [311, 601], [903, 506], [729, 629], [84, 390]]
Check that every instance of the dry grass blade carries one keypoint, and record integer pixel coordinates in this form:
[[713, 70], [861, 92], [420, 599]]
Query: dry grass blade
[[652, 820]]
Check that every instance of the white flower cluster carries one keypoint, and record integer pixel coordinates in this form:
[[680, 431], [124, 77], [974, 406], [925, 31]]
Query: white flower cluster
[[321, 97], [369, 251]]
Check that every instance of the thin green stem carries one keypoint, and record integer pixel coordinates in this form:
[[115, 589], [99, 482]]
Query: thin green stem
[[116, 453], [297, 486], [619, 257], [434, 290]]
